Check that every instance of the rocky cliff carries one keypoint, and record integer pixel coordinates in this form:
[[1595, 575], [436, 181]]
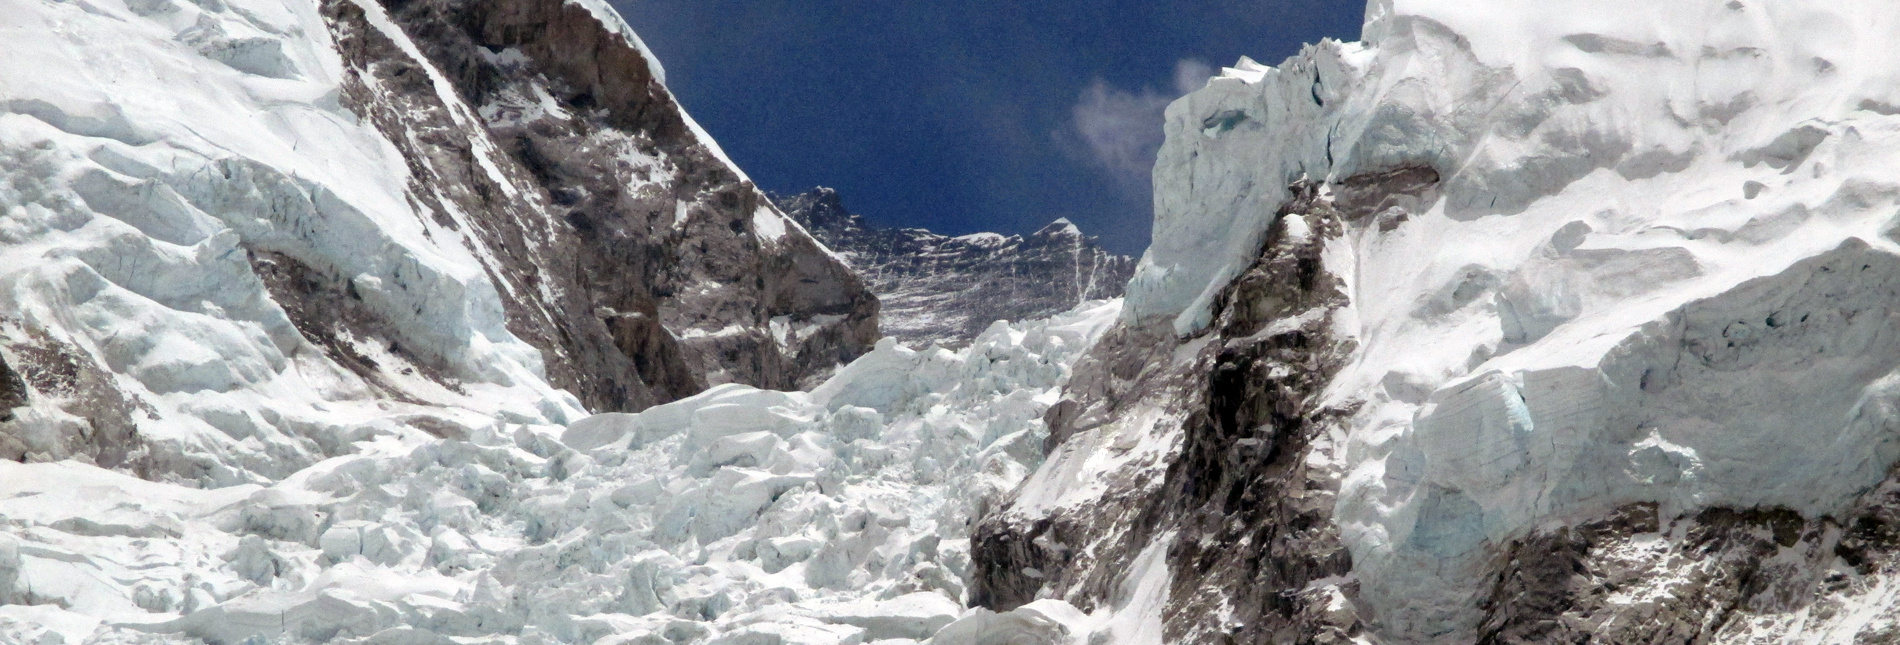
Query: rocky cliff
[[946, 290]]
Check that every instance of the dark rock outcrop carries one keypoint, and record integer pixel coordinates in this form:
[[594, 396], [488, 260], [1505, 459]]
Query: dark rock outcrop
[[638, 260], [12, 391], [946, 290], [49, 371], [1242, 510]]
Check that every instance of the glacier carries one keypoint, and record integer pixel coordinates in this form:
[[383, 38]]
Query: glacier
[[737, 515], [221, 300], [440, 321]]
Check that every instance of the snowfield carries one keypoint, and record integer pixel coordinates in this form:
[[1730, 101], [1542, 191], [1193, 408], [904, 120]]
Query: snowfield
[[735, 516]]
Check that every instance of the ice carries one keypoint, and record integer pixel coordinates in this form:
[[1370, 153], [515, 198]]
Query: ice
[[134, 212], [1644, 254], [1591, 302], [1510, 105], [737, 515]]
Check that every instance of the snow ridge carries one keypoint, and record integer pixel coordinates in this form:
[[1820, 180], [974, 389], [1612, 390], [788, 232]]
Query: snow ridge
[[946, 290]]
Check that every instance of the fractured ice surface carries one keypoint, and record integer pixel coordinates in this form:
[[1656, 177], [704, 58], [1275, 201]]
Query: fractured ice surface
[[734, 516], [135, 212]]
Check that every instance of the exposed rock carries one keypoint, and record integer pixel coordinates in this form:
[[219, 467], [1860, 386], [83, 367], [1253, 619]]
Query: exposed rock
[[667, 265], [78, 412], [1235, 498], [1715, 576], [946, 290], [12, 391], [1572, 385], [429, 216]]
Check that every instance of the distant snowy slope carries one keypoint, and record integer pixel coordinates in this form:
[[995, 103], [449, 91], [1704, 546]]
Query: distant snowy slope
[[1516, 322], [942, 289]]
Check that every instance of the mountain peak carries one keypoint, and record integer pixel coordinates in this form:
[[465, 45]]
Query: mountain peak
[[1062, 227], [946, 290]]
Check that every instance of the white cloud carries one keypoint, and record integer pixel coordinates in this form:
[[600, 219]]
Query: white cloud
[[1122, 128], [1190, 75]]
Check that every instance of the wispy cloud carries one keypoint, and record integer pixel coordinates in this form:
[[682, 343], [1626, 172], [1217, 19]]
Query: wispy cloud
[[1121, 129]]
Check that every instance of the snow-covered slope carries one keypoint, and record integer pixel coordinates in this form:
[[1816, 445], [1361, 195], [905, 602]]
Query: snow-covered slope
[[737, 515], [238, 236], [1516, 322], [941, 289]]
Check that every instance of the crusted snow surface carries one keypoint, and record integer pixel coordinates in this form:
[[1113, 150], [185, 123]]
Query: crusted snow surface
[[735, 516], [1655, 264]]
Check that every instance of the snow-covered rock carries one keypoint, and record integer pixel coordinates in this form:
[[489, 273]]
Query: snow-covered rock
[[946, 290], [1511, 322], [236, 237]]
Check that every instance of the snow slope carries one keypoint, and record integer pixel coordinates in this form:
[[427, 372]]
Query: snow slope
[[735, 516]]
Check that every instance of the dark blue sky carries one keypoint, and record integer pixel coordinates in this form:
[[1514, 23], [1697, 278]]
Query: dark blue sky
[[979, 115]]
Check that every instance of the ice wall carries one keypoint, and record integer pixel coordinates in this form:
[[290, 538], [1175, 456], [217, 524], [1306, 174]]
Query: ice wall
[[1509, 104], [1599, 253]]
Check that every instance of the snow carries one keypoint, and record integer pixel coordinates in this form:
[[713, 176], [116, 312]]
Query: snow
[[1132, 615], [835, 516], [291, 499], [1411, 95], [1628, 188], [134, 197], [982, 239], [768, 223], [1660, 268]]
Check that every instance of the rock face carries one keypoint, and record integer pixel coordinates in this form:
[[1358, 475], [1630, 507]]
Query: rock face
[[12, 391], [946, 290], [697, 277], [1497, 327], [367, 217]]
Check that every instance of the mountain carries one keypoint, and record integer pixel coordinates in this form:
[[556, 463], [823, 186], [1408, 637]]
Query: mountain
[[356, 215], [946, 290], [438, 321], [1513, 323]]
